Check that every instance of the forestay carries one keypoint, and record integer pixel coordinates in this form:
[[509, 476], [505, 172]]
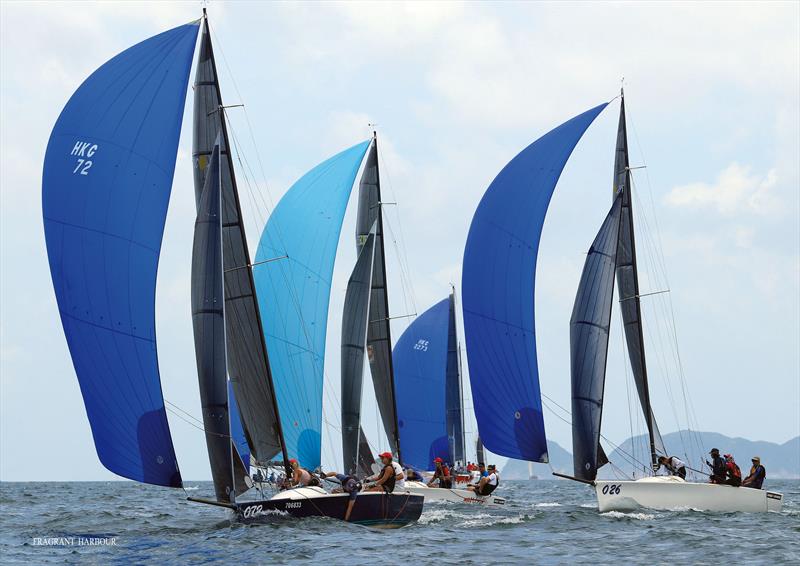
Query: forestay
[[420, 364], [294, 293], [589, 327], [498, 293], [106, 184]]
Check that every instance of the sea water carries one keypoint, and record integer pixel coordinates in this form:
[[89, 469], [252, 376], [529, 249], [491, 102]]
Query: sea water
[[543, 522]]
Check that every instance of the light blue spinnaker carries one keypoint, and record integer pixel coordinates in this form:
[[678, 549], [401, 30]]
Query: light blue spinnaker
[[420, 370], [498, 293], [294, 292], [106, 184]]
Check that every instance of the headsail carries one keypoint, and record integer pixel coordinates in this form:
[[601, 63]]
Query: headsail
[[420, 364], [589, 326], [106, 185], [379, 338], [294, 293], [628, 284], [498, 287], [354, 337], [453, 393], [248, 364], [208, 321]]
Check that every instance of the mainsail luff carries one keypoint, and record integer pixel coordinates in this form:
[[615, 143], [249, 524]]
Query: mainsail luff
[[355, 318], [589, 331], [628, 284], [208, 323], [248, 361], [379, 338]]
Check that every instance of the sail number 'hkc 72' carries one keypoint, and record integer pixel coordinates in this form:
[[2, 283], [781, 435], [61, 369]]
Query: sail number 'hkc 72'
[[83, 149]]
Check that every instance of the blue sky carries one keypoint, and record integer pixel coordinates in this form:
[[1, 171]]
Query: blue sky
[[456, 90]]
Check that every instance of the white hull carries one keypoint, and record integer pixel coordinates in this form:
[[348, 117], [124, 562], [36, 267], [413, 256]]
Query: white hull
[[452, 495], [672, 493]]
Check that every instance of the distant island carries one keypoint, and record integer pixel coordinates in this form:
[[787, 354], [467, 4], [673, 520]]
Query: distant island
[[781, 460]]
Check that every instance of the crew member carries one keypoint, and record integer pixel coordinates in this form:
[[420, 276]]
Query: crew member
[[412, 475], [488, 483], [717, 465], [349, 485], [755, 478], [674, 465], [441, 474], [390, 476], [301, 477], [733, 475]]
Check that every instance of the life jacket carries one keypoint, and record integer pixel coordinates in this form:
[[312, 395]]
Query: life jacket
[[388, 485], [734, 470], [445, 471]]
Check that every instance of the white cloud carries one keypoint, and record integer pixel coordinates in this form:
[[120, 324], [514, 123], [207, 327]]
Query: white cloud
[[736, 190]]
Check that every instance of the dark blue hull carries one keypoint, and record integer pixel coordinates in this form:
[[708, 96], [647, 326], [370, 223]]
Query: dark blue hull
[[370, 509]]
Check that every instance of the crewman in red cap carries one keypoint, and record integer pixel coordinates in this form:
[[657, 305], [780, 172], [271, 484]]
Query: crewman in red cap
[[441, 474], [390, 477]]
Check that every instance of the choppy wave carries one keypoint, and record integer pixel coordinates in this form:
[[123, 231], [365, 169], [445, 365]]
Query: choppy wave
[[548, 522]]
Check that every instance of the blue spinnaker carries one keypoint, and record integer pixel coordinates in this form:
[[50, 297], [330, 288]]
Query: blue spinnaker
[[105, 189], [420, 369], [498, 286], [237, 430], [294, 291]]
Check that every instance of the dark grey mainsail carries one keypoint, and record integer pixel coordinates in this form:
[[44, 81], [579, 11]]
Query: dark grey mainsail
[[355, 318], [248, 365], [379, 339], [589, 327], [454, 420], [628, 284], [208, 321]]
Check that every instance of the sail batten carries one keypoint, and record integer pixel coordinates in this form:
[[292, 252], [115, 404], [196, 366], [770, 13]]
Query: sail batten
[[498, 293], [379, 340], [355, 318], [248, 361], [106, 185], [589, 331], [294, 294]]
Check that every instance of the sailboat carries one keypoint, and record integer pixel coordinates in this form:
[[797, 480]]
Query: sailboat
[[613, 254], [366, 329], [429, 400], [294, 295], [106, 185]]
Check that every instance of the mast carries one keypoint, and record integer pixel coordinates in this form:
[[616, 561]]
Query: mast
[[628, 283], [248, 361]]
